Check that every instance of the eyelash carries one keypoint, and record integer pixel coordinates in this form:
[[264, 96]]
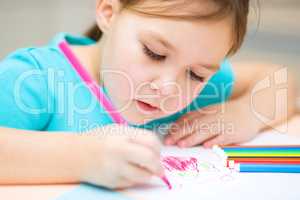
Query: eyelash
[[157, 57], [152, 55], [195, 77]]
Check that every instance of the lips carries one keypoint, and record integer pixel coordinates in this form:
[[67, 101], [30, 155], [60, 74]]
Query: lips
[[146, 106]]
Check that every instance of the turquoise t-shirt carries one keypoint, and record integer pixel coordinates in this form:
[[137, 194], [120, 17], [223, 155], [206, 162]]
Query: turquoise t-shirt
[[40, 90]]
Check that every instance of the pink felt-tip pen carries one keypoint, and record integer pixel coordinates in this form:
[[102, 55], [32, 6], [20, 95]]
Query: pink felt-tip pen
[[97, 92], [166, 181]]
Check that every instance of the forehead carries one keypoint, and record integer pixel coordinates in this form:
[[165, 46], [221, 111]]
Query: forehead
[[200, 37], [178, 8], [208, 40]]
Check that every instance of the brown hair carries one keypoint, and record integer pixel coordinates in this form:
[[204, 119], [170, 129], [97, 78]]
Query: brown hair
[[237, 9]]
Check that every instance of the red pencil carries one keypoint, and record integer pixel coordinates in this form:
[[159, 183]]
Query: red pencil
[[263, 162], [259, 146], [259, 159]]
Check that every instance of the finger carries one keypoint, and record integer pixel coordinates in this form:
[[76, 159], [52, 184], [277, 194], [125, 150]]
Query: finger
[[228, 139], [195, 125], [182, 131], [181, 121], [148, 139], [173, 130], [137, 175], [145, 158], [187, 117], [196, 138], [218, 140], [123, 184], [189, 125]]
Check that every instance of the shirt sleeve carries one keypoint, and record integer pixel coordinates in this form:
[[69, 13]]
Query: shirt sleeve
[[23, 92]]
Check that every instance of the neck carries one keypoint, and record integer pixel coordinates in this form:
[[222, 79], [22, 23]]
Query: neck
[[90, 58]]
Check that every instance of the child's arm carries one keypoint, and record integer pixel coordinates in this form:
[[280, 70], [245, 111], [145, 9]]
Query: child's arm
[[263, 96], [97, 157], [29, 157], [272, 88]]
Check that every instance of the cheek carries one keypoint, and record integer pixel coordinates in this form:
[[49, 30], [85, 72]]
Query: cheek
[[191, 92], [123, 70], [127, 79], [116, 77], [183, 97]]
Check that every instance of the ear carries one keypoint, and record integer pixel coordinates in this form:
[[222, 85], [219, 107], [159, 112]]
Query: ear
[[106, 10]]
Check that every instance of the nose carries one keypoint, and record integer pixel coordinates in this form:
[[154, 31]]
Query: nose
[[166, 83]]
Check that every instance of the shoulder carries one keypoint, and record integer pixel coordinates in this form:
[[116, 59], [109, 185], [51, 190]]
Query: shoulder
[[44, 57], [23, 94], [31, 59], [225, 74]]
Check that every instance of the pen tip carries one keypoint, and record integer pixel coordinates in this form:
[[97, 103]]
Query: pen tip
[[167, 182]]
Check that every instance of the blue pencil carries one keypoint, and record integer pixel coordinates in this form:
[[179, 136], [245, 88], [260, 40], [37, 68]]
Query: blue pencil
[[267, 168]]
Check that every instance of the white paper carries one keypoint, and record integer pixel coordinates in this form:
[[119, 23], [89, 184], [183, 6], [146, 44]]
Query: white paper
[[214, 181]]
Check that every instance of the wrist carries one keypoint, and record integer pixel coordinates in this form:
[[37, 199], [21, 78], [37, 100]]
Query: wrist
[[87, 148], [78, 157]]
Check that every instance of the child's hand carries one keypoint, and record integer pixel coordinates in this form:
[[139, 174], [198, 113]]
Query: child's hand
[[224, 124], [119, 156]]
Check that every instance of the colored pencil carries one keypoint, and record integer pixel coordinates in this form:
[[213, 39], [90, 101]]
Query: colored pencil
[[263, 154], [94, 88], [266, 159], [261, 146], [233, 155], [267, 168], [98, 92], [264, 162], [258, 155], [253, 150]]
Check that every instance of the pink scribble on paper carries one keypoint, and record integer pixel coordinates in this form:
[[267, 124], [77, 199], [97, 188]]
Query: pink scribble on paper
[[182, 164]]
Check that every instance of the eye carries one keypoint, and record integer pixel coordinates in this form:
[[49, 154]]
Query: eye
[[153, 55], [195, 77]]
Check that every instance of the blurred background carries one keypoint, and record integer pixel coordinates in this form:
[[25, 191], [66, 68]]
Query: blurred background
[[275, 38]]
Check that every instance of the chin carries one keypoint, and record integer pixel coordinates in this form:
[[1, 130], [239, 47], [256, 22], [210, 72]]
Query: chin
[[138, 120]]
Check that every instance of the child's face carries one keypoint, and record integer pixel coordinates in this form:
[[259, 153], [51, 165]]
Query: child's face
[[154, 67]]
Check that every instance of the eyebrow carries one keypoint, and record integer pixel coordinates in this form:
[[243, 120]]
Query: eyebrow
[[212, 67], [159, 38]]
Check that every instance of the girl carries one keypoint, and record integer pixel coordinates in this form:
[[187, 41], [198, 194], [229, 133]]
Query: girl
[[157, 60]]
